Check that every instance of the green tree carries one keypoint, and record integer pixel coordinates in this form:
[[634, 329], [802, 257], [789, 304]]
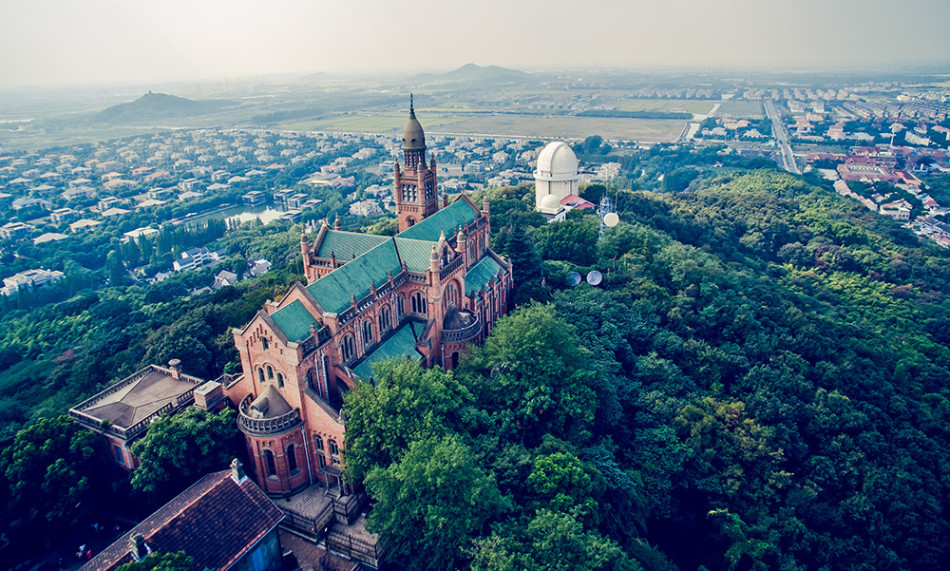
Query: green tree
[[178, 561], [532, 375], [431, 503], [178, 449], [406, 403], [553, 541], [572, 241], [561, 483], [52, 473], [115, 269]]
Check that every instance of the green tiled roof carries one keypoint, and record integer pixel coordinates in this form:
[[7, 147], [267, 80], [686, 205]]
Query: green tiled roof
[[449, 219], [334, 290], [294, 320], [480, 274], [415, 253], [401, 344], [348, 245]]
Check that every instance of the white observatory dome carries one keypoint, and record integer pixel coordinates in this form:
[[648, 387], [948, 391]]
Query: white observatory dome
[[556, 162], [549, 204]]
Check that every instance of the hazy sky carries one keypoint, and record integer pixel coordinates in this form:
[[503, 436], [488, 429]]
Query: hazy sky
[[66, 42]]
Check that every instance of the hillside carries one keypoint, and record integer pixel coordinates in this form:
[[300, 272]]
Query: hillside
[[157, 106], [760, 382]]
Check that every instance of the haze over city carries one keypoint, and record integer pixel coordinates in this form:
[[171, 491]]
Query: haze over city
[[63, 42]]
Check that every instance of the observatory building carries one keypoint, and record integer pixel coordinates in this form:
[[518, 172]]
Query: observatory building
[[555, 178]]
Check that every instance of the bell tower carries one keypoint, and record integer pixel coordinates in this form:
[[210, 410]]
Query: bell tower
[[415, 185]]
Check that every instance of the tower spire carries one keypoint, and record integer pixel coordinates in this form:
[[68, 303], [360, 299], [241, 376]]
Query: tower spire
[[412, 109]]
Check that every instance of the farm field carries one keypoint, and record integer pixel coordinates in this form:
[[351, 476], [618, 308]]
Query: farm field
[[666, 105], [507, 125]]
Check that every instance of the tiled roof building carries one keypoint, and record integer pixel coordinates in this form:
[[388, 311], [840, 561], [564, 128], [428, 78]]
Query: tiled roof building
[[424, 294], [223, 521]]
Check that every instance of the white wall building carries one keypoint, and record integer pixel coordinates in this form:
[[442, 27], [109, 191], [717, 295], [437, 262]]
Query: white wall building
[[555, 178]]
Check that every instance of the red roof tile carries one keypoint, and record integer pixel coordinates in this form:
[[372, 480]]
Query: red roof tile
[[215, 521]]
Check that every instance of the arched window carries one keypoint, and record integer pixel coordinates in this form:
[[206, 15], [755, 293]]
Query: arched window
[[367, 328], [451, 295], [400, 306], [270, 372], [384, 320], [264, 343], [280, 381], [472, 252], [260, 375], [334, 451], [446, 257], [318, 450], [292, 459], [310, 379], [418, 303], [269, 464], [347, 348]]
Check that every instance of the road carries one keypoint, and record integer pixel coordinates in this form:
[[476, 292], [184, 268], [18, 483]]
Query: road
[[781, 137]]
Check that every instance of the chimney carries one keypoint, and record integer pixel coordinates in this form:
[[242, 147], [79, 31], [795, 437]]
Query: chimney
[[137, 546], [237, 471], [210, 397], [175, 366]]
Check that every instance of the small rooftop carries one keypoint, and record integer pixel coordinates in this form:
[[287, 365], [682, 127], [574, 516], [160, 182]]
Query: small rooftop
[[138, 397], [216, 521], [402, 343]]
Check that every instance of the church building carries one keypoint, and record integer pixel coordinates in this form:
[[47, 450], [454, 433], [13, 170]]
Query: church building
[[424, 294]]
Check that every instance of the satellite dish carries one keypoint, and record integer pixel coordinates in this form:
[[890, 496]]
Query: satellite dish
[[573, 279], [594, 277], [611, 219]]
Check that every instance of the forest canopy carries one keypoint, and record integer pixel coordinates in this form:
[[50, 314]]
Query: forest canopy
[[760, 382]]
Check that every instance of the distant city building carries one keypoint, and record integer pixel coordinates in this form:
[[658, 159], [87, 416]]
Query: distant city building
[[49, 237], [62, 215], [195, 258], [254, 197], [29, 279], [15, 230], [365, 208], [138, 233], [84, 224], [297, 200]]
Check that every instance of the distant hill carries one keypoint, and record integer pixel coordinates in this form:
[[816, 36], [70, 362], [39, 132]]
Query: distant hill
[[317, 77], [472, 72], [152, 106]]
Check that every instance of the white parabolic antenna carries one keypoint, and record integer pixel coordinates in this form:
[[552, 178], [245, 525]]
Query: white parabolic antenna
[[611, 219], [594, 277], [573, 279]]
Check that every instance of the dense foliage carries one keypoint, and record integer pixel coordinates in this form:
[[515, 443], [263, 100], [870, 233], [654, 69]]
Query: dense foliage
[[53, 357], [179, 449], [178, 561], [54, 474], [760, 382]]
